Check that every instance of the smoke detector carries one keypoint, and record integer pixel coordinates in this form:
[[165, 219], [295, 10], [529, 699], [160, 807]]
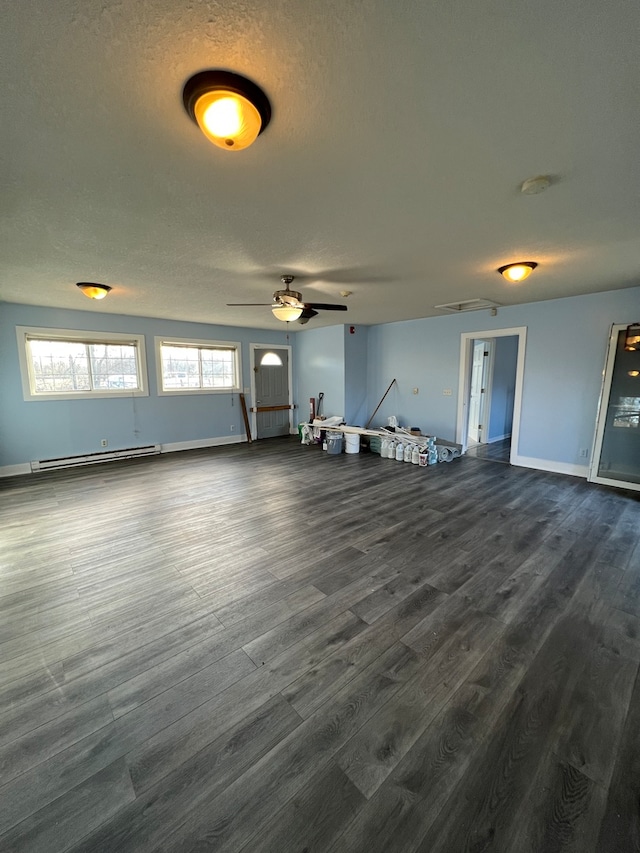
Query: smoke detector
[[533, 186]]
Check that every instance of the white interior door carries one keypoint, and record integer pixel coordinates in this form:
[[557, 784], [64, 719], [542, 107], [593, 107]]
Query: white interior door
[[480, 360]]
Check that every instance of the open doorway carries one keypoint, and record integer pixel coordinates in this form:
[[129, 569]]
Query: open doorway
[[490, 393]]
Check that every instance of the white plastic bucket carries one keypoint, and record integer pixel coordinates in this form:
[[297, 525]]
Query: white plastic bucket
[[351, 442]]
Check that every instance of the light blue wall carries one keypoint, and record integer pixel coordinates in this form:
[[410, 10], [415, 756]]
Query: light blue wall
[[51, 428], [355, 372], [319, 362], [503, 387], [566, 347]]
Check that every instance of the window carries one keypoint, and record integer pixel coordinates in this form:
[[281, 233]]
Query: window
[[63, 364], [192, 367]]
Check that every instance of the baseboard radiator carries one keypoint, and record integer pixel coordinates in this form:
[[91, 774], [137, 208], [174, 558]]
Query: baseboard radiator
[[94, 458]]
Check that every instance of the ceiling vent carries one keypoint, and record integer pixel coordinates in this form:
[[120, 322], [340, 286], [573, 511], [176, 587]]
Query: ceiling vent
[[467, 305]]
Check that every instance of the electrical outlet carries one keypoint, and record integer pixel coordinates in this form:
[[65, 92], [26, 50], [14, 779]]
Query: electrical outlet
[[232, 427], [415, 390], [446, 392], [584, 452], [104, 442]]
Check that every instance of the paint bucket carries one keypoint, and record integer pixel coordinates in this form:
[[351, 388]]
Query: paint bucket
[[351, 442], [334, 442]]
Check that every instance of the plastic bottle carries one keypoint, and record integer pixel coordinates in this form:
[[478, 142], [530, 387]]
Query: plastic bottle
[[384, 448], [400, 452], [391, 450], [415, 455], [408, 451]]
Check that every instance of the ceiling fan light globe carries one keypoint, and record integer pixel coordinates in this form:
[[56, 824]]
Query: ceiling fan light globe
[[286, 313]]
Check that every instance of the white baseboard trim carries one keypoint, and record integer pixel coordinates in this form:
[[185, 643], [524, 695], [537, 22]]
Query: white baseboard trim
[[499, 438], [552, 466], [202, 442], [25, 467], [15, 470]]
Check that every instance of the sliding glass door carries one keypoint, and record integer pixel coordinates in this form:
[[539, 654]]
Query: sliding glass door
[[616, 454]]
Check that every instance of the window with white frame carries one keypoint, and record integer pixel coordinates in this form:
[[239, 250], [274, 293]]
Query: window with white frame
[[66, 364], [197, 366]]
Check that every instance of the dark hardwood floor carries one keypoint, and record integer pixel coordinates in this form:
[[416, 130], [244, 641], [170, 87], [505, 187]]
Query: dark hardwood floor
[[497, 451], [266, 649]]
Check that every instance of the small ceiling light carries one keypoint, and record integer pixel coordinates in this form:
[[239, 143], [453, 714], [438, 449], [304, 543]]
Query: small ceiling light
[[634, 373], [230, 110], [287, 313], [519, 271], [632, 341], [93, 290]]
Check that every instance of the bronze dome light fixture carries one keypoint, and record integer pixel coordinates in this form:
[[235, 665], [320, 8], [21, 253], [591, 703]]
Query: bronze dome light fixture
[[517, 271], [229, 109], [93, 290]]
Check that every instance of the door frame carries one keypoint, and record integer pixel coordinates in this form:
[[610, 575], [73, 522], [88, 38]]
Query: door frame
[[252, 361], [601, 415], [464, 383]]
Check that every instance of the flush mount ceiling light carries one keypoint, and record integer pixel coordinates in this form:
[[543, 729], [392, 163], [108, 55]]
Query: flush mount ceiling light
[[632, 340], [93, 290], [230, 110], [518, 271]]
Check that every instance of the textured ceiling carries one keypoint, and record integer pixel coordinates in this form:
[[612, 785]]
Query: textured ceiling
[[401, 132]]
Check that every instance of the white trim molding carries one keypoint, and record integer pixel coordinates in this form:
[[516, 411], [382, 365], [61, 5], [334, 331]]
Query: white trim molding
[[551, 465], [199, 443]]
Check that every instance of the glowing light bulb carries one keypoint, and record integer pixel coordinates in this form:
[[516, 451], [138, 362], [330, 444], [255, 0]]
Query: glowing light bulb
[[223, 117], [517, 272]]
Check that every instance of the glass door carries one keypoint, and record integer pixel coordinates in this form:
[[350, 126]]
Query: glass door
[[616, 454]]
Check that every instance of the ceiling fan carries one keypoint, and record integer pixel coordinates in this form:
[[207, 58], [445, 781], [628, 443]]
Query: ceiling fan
[[287, 304]]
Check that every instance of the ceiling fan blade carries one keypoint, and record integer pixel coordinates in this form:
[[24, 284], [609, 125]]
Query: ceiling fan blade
[[307, 314], [324, 306], [243, 304]]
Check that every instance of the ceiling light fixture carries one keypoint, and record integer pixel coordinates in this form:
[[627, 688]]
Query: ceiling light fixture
[[230, 110], [93, 290], [518, 271], [632, 340], [287, 313]]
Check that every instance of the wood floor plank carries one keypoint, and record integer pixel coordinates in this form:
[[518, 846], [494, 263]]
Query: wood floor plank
[[238, 814], [620, 828], [311, 820], [162, 753], [60, 824], [141, 825], [376, 749], [564, 812]]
